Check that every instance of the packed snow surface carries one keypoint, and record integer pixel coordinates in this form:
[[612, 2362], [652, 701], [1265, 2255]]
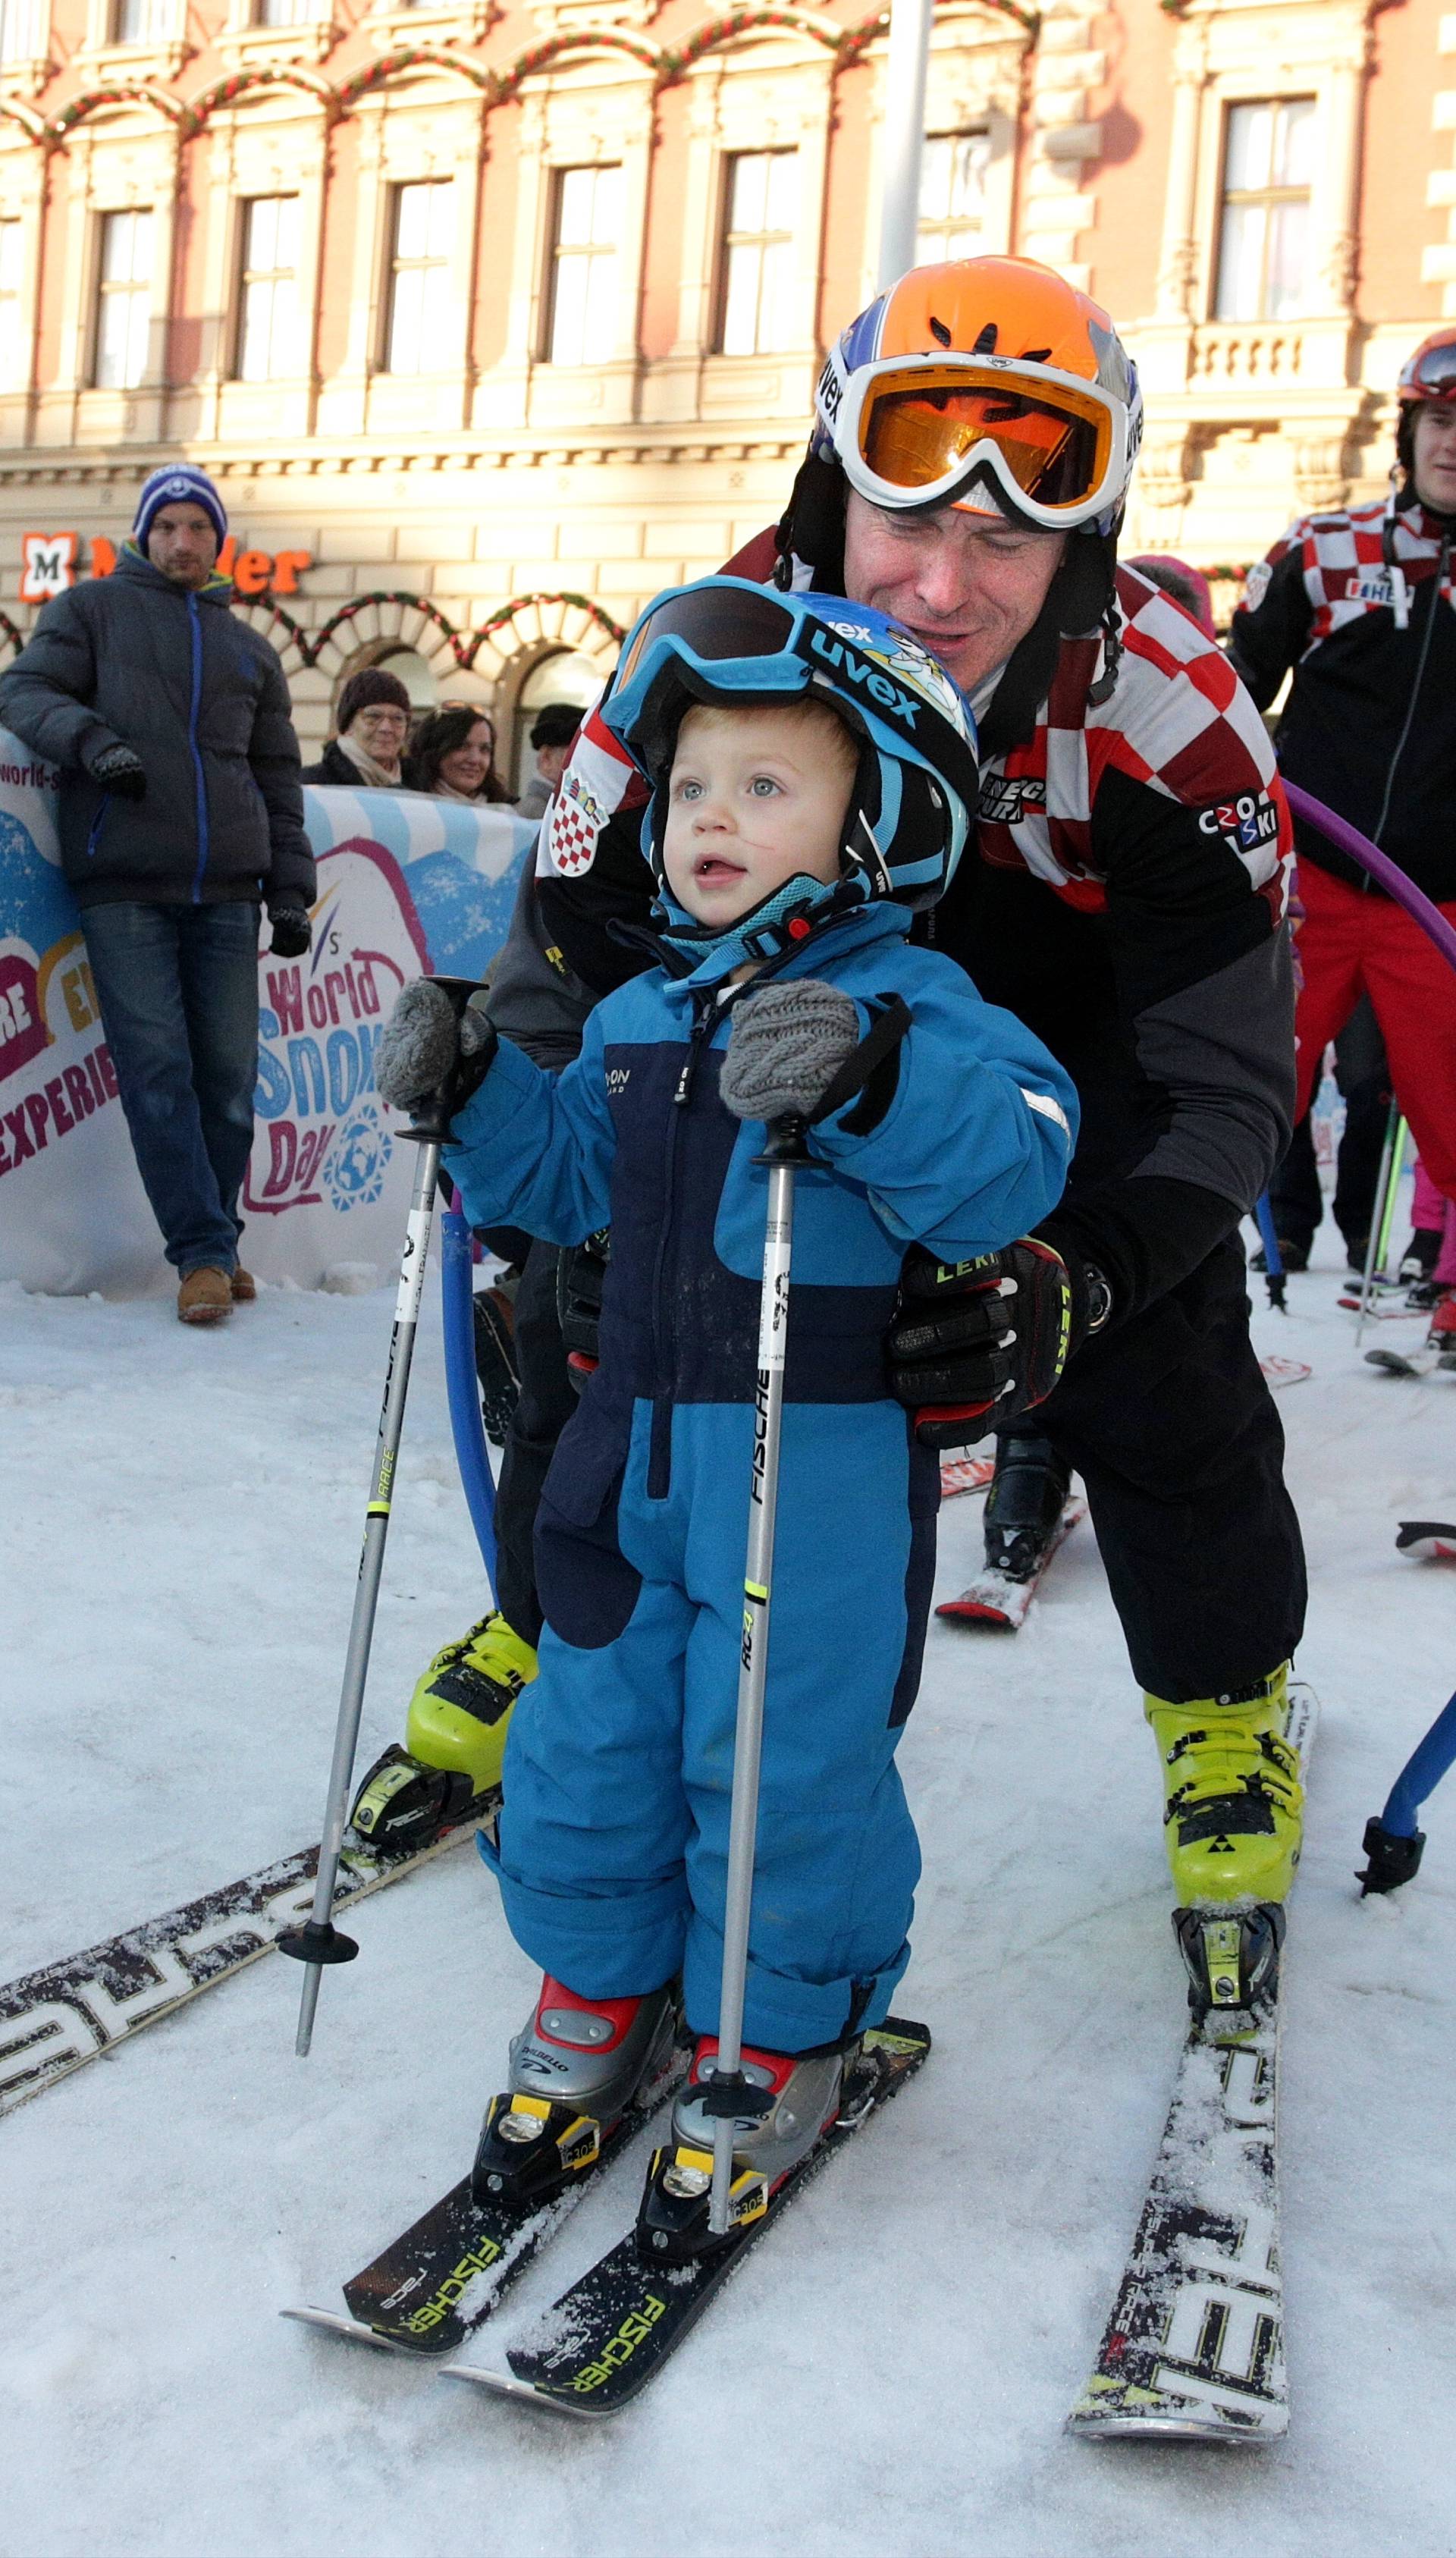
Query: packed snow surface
[[889, 2373]]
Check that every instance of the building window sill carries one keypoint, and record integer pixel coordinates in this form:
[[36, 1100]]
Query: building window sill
[[261, 48], [464, 23], [134, 62], [21, 78]]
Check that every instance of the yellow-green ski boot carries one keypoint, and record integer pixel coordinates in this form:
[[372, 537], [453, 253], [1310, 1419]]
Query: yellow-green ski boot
[[1235, 1820], [449, 1769]]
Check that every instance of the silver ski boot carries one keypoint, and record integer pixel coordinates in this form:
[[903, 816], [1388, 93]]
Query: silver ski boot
[[578, 2067], [801, 2094]]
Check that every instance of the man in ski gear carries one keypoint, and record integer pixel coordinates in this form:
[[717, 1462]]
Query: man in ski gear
[[1123, 894], [811, 775], [1359, 601], [179, 811]]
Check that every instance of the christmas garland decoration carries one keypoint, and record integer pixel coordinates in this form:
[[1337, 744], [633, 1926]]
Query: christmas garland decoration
[[464, 646], [498, 87]]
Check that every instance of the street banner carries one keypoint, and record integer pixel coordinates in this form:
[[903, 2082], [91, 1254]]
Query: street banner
[[406, 885]]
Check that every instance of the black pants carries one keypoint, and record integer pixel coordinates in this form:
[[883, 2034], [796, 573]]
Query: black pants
[[546, 1403], [1173, 1430]]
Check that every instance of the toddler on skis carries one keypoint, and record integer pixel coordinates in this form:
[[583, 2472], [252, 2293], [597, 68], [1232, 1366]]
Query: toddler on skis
[[813, 780]]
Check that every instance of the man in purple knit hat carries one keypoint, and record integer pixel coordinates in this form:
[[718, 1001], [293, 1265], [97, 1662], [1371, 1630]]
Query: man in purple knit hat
[[179, 814]]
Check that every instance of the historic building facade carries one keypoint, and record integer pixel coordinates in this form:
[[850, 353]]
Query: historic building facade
[[490, 322]]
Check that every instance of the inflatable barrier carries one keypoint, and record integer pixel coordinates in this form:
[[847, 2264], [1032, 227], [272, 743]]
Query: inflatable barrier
[[407, 884]]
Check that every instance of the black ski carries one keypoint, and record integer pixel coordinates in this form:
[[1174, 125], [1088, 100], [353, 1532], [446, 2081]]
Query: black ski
[[53, 2019], [611, 2332], [453, 2266]]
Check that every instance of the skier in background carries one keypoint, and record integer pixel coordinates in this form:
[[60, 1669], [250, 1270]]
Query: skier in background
[[1359, 603]]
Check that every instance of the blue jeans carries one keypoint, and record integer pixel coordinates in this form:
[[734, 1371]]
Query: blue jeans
[[178, 987]]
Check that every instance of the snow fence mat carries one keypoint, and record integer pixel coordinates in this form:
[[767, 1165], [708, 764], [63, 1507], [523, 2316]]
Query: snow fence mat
[[69, 2012]]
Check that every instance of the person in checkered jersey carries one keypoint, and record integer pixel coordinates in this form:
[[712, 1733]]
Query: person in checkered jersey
[[974, 436], [1359, 603]]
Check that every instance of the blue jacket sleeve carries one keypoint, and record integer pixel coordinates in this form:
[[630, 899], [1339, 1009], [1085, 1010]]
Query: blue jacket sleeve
[[976, 1141], [535, 1150]]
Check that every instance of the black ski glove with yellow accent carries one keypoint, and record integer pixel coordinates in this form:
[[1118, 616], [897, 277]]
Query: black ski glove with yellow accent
[[973, 1343]]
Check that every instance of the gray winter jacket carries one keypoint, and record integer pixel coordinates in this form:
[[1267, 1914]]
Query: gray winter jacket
[[132, 659]]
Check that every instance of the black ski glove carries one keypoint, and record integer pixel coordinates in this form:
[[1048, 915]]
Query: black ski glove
[[785, 1047], [118, 771], [293, 931], [426, 1048], [975, 1342], [580, 1271]]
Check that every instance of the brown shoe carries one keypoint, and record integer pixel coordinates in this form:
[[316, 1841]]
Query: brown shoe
[[244, 1287], [204, 1297]]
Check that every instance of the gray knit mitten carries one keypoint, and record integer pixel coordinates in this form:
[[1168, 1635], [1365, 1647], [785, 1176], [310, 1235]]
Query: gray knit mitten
[[426, 1045], [786, 1046]]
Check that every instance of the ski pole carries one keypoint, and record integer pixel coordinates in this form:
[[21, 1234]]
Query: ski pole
[[1273, 1257], [320, 1941], [1394, 1842], [1392, 1192], [729, 2095], [1372, 1250], [462, 1386]]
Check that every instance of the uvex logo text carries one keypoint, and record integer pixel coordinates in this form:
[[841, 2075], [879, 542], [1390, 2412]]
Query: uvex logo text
[[867, 678]]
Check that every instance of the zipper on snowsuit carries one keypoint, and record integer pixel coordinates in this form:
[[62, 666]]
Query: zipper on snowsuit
[[710, 1008], [199, 780]]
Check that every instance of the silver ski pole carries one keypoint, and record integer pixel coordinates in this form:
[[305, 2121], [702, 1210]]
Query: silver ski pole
[[1378, 1219], [784, 1151], [320, 1941]]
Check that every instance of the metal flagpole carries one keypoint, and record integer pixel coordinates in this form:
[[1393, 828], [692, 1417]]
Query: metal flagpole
[[904, 135]]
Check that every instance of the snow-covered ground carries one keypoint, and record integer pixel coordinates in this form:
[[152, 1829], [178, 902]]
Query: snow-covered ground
[[889, 2375]]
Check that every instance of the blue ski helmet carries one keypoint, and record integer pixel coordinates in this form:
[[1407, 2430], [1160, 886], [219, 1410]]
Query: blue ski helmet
[[727, 641]]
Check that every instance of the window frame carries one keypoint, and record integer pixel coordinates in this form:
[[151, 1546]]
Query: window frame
[[589, 252], [394, 269], [21, 297], [728, 242], [242, 271], [981, 131], [1226, 198], [133, 291]]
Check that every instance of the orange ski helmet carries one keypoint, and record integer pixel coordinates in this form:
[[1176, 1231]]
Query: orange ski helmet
[[990, 384]]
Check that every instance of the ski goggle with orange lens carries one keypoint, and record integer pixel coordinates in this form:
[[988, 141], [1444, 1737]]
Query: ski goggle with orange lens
[[913, 431]]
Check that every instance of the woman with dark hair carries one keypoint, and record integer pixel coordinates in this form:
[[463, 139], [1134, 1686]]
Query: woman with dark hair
[[454, 757], [368, 746]]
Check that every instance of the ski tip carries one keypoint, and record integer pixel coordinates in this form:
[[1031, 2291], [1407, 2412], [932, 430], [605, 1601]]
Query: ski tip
[[1151, 2426], [336, 2324], [978, 1612], [507, 2385]]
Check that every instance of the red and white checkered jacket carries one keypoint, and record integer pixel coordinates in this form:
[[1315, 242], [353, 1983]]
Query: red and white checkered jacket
[[1370, 726], [1177, 720]]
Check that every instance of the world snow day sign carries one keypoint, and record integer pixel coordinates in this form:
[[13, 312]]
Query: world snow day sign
[[406, 885]]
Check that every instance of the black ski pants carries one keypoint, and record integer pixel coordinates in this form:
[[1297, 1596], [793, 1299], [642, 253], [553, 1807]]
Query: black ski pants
[[1172, 1428], [545, 1404]]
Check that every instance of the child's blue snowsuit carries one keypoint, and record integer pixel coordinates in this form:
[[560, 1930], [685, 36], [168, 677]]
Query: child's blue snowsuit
[[614, 1835]]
